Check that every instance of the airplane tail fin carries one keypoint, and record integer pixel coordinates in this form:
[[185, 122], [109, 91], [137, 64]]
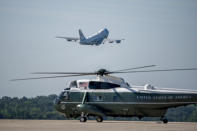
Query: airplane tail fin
[[82, 37]]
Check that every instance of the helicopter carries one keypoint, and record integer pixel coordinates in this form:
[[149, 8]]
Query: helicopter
[[108, 95]]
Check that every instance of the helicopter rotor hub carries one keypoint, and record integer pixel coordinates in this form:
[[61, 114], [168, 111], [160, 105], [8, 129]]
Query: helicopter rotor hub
[[102, 72]]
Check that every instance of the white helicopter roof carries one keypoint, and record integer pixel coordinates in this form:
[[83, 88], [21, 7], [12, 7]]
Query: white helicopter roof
[[108, 79], [143, 89]]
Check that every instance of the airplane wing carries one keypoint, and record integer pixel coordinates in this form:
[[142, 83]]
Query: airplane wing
[[69, 38], [114, 40]]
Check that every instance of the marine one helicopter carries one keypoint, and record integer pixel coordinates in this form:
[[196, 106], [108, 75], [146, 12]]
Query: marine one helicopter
[[108, 95]]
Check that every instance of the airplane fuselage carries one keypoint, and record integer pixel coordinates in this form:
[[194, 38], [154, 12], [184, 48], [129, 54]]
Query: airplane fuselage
[[96, 39]]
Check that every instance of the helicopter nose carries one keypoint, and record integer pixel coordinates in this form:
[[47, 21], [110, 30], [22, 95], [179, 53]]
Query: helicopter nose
[[56, 103]]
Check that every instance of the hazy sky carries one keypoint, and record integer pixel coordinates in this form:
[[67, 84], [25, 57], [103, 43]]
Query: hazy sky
[[161, 32]]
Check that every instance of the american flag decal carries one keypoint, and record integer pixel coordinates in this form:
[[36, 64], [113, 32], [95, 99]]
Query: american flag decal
[[83, 84]]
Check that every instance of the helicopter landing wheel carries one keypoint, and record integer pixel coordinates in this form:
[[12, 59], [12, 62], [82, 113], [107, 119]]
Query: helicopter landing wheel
[[140, 117], [99, 119], [165, 121], [83, 119]]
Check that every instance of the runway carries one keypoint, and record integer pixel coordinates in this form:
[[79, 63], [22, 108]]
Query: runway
[[74, 125]]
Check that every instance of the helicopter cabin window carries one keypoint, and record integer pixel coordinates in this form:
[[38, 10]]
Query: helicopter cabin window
[[102, 85], [98, 98], [115, 98], [73, 84], [83, 85]]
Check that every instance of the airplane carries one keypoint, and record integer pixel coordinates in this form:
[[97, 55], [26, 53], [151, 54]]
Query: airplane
[[96, 39], [108, 95]]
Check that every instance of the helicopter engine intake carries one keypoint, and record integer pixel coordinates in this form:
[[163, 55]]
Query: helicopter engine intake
[[149, 87]]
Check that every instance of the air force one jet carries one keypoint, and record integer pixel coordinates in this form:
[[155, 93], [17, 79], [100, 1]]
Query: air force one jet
[[96, 39]]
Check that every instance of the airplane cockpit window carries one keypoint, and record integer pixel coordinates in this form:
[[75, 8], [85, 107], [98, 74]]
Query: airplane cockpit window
[[73, 84], [102, 85]]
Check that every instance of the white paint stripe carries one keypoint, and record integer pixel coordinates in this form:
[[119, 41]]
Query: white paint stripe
[[134, 90], [138, 103], [142, 91]]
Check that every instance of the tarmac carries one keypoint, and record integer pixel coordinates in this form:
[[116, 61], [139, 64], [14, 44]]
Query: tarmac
[[75, 125]]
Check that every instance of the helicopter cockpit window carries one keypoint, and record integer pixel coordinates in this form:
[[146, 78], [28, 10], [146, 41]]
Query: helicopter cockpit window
[[64, 95], [73, 84], [102, 85]]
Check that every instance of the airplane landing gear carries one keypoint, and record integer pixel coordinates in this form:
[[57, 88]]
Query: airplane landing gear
[[99, 119], [165, 120]]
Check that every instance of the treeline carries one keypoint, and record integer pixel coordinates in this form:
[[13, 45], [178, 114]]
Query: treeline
[[188, 114], [42, 107]]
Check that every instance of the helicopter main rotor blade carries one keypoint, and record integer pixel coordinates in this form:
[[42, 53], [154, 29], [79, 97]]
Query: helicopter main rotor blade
[[92, 73], [69, 73], [47, 77], [164, 70], [102, 72], [140, 67]]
